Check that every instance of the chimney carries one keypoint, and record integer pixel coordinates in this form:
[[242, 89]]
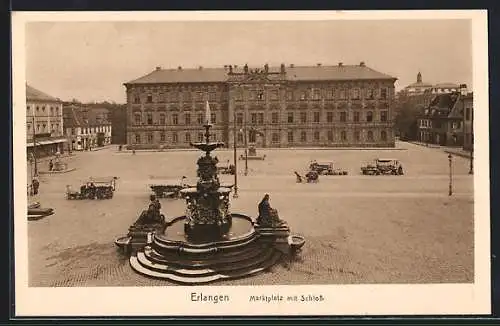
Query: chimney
[[340, 64], [362, 64], [463, 89], [179, 68], [158, 68], [318, 65], [292, 65]]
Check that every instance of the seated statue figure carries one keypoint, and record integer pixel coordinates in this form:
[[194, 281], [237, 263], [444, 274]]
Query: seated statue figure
[[268, 216], [152, 215]]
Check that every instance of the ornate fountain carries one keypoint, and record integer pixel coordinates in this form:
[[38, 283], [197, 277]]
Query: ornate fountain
[[207, 213], [209, 242]]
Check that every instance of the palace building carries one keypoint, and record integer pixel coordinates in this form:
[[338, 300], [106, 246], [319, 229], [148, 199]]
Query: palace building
[[286, 106]]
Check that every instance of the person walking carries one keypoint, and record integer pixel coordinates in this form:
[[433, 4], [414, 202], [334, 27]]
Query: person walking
[[51, 165], [35, 185]]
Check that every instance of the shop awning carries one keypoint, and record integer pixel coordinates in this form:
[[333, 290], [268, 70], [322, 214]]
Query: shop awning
[[47, 142]]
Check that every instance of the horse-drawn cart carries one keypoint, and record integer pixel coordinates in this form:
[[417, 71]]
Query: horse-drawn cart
[[168, 188], [94, 188]]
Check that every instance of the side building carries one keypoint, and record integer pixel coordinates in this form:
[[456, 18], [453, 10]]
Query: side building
[[86, 127], [467, 104], [44, 124], [441, 123], [294, 106]]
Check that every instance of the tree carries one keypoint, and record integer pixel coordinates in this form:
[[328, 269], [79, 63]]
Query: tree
[[406, 119]]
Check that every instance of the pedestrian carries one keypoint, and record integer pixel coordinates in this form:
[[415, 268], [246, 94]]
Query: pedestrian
[[35, 184], [299, 177], [51, 165]]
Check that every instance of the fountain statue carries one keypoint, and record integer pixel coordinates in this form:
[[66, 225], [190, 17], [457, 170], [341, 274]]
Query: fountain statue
[[207, 212], [209, 243]]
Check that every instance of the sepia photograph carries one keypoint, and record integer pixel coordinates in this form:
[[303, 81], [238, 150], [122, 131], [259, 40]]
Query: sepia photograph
[[307, 162]]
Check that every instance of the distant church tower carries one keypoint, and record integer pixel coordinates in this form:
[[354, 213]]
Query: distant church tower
[[419, 77]]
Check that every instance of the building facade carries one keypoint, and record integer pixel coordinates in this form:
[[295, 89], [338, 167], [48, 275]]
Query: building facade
[[418, 88], [44, 124], [86, 127], [442, 121], [467, 104], [343, 106]]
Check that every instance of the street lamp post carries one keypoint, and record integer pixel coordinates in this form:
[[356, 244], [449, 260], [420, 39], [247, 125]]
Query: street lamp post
[[34, 146], [450, 186], [246, 144], [235, 194]]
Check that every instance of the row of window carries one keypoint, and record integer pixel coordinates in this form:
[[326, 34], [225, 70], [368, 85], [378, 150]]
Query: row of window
[[425, 124], [258, 118], [91, 130], [261, 95], [344, 136], [275, 137], [315, 94], [163, 97], [437, 124], [200, 118], [290, 107], [42, 127], [175, 138], [42, 108]]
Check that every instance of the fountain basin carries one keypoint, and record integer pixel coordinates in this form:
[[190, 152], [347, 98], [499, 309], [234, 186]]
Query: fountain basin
[[296, 242], [241, 228]]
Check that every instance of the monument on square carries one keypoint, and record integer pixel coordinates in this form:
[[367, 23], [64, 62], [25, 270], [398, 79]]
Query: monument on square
[[209, 242]]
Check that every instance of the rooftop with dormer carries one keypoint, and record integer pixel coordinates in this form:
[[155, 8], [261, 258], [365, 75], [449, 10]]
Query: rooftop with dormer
[[291, 72]]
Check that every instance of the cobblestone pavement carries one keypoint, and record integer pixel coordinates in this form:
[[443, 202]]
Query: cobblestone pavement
[[358, 229]]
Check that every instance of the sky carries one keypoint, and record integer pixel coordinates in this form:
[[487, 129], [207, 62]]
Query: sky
[[90, 61]]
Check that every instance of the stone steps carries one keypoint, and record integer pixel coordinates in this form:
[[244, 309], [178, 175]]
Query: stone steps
[[247, 266], [214, 260]]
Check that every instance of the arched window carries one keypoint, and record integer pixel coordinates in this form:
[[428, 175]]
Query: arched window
[[137, 138], [370, 135], [383, 135]]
